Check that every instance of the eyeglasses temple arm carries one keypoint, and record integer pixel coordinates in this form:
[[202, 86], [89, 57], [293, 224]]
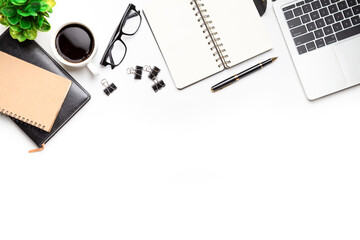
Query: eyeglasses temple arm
[[133, 15]]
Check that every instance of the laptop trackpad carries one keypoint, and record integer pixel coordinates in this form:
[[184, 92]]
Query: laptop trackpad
[[348, 55]]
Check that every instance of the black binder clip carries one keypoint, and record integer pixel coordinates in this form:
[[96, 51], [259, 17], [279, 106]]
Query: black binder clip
[[153, 75], [153, 72], [109, 89], [137, 72], [158, 85]]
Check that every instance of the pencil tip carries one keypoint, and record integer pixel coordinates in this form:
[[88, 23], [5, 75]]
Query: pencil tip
[[274, 59]]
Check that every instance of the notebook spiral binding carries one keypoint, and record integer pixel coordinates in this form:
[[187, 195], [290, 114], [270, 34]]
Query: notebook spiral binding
[[217, 47], [21, 119]]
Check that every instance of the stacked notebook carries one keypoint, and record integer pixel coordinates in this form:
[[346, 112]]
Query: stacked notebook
[[30, 94], [35, 91], [199, 38]]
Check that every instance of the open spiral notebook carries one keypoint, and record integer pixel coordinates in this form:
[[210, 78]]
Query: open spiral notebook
[[199, 38]]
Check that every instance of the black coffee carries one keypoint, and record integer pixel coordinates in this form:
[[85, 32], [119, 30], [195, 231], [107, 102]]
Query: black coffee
[[74, 43]]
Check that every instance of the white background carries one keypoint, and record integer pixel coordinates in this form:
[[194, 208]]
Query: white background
[[254, 161]]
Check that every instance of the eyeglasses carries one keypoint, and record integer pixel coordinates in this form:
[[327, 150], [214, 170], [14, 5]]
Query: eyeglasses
[[116, 49]]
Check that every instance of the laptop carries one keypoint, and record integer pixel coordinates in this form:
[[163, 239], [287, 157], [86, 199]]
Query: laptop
[[323, 38]]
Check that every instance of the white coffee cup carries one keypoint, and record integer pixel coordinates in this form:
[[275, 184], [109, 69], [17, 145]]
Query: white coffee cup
[[86, 62]]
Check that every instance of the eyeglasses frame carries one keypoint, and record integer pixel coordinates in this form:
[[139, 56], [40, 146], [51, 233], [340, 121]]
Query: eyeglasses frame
[[117, 37]]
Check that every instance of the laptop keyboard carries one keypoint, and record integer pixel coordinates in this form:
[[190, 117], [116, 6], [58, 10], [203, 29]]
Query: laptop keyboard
[[315, 24]]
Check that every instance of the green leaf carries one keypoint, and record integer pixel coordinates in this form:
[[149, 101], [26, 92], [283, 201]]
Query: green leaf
[[2, 20], [25, 23], [14, 34], [33, 7], [34, 14], [51, 3], [26, 14], [45, 8], [8, 11], [39, 21], [30, 34], [26, 17], [16, 28], [14, 19], [18, 2], [22, 13], [17, 35], [6, 21], [45, 26]]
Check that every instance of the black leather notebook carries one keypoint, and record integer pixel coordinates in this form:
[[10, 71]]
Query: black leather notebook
[[32, 52]]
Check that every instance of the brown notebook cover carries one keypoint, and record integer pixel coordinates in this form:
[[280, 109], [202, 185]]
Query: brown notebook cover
[[77, 98], [29, 93]]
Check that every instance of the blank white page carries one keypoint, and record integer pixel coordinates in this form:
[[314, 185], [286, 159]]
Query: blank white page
[[239, 27], [181, 41]]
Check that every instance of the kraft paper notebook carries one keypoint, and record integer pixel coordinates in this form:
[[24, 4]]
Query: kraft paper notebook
[[77, 97], [29, 93], [199, 38]]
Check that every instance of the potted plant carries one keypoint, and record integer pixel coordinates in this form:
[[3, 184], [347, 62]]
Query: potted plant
[[26, 17]]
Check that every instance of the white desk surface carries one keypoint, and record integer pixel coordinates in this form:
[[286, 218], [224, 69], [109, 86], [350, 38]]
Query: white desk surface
[[254, 161]]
